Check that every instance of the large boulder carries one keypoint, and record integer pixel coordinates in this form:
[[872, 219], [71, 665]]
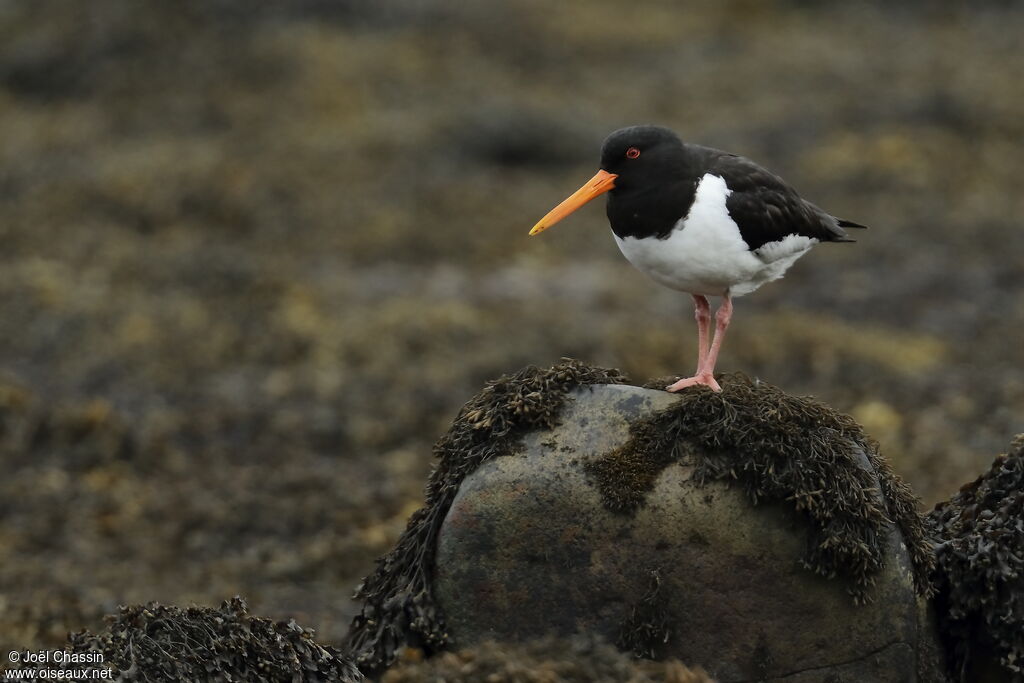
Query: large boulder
[[573, 532]]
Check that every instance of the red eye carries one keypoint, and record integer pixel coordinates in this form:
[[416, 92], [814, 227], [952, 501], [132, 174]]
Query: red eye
[[632, 153]]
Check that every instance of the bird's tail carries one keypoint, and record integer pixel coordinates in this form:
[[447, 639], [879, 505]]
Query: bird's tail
[[835, 228]]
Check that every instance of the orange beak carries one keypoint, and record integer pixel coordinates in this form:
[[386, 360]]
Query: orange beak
[[598, 185]]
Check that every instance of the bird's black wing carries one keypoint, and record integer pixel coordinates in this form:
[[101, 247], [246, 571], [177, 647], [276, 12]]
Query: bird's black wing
[[766, 209]]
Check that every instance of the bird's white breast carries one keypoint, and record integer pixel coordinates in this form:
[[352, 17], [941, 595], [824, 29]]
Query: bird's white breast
[[705, 254]]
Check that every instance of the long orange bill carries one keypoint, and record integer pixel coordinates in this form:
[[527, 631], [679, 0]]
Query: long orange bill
[[596, 186]]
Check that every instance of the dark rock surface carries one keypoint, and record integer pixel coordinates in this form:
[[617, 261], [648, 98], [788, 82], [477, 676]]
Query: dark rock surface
[[695, 572]]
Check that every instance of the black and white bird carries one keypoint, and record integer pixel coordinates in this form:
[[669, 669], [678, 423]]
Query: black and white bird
[[702, 221]]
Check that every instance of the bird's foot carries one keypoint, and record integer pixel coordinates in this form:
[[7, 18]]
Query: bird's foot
[[705, 378]]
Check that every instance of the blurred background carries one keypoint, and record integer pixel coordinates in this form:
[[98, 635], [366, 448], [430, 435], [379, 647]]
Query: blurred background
[[254, 256]]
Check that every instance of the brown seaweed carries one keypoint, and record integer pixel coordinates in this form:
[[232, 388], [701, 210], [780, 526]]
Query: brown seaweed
[[793, 450], [648, 627], [980, 568], [153, 642]]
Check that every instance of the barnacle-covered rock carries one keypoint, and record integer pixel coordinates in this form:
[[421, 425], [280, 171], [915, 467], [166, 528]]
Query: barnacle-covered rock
[[980, 572], [752, 533]]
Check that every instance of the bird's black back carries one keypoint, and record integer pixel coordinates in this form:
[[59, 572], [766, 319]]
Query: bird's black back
[[767, 209], [653, 198]]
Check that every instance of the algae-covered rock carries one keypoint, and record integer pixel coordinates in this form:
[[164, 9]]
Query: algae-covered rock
[[154, 642], [591, 526], [399, 607], [980, 572]]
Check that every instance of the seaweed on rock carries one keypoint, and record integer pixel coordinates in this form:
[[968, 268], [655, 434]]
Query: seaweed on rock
[[777, 447], [155, 642], [783, 448], [980, 567], [648, 627], [398, 604]]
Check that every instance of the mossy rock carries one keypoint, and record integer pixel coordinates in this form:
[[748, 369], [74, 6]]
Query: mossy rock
[[539, 542]]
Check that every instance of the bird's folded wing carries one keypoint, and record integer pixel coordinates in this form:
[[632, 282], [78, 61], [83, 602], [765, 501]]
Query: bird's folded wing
[[766, 209]]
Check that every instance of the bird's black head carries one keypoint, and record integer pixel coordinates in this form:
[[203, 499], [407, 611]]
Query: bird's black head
[[643, 169], [642, 158]]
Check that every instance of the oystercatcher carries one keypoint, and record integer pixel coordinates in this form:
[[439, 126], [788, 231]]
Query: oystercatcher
[[702, 221]]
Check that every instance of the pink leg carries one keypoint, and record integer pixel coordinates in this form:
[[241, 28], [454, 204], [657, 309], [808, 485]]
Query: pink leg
[[702, 313], [722, 318], [706, 365]]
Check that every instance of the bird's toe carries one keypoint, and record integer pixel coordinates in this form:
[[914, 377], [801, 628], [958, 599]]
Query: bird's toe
[[705, 379]]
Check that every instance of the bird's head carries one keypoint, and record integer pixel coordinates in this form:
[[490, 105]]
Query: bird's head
[[634, 160]]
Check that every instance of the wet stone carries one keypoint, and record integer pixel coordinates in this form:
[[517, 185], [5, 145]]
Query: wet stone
[[530, 547]]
